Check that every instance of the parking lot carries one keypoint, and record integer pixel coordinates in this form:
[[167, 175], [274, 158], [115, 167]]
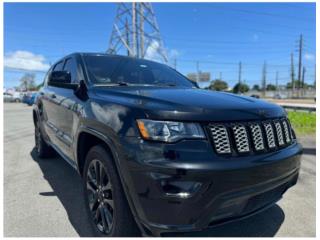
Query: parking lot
[[43, 198]]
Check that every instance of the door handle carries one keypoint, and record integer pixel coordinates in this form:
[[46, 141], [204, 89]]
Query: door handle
[[53, 96]]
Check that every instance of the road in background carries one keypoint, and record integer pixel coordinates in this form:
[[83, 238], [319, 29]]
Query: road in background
[[43, 198]]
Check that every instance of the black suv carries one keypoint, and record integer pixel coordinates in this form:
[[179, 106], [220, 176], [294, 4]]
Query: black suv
[[158, 155]]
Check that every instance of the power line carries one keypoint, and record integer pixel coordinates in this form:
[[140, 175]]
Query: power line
[[291, 17]]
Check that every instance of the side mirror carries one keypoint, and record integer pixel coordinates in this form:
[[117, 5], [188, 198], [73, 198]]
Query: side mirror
[[61, 79]]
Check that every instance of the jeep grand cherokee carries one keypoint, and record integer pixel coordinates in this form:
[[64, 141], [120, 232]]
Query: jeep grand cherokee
[[156, 153]]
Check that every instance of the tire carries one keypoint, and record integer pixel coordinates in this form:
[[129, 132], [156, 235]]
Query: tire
[[106, 206], [43, 150]]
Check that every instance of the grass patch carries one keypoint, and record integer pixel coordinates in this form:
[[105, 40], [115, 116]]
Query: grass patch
[[304, 123]]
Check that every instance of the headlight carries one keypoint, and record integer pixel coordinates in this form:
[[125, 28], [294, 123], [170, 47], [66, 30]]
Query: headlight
[[168, 131]]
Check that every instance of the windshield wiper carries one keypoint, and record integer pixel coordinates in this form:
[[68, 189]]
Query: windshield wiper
[[167, 84], [121, 83], [113, 84]]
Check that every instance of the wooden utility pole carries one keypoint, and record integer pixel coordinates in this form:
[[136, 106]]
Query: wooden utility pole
[[175, 63], [240, 72], [277, 86], [198, 71], [292, 76], [300, 63], [264, 78], [302, 81]]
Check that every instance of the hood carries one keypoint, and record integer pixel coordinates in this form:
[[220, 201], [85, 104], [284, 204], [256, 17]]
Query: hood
[[186, 104]]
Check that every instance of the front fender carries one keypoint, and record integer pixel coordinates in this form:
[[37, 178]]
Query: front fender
[[118, 158]]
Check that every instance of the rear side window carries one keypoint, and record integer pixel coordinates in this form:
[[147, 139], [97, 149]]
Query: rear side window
[[71, 66]]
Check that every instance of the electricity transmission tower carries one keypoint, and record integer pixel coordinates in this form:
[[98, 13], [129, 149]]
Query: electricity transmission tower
[[136, 33]]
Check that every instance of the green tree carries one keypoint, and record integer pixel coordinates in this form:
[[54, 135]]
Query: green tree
[[289, 84], [27, 82], [271, 87], [218, 85], [240, 88], [39, 86], [256, 87]]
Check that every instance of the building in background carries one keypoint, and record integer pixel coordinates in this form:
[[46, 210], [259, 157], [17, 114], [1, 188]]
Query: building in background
[[199, 77]]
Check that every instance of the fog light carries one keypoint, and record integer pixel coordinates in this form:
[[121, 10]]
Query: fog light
[[180, 189], [179, 195]]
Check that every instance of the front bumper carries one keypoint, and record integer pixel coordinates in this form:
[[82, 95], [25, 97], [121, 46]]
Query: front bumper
[[215, 189]]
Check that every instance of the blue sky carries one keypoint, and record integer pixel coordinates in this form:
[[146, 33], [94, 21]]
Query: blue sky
[[218, 35]]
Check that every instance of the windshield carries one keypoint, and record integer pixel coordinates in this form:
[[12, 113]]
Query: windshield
[[119, 70]]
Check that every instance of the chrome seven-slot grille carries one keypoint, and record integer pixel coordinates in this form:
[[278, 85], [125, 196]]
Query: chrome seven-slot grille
[[251, 136]]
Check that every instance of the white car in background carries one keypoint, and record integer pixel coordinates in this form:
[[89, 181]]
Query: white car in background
[[12, 97]]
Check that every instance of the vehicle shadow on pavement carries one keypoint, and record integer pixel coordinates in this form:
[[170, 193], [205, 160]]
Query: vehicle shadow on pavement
[[66, 185]]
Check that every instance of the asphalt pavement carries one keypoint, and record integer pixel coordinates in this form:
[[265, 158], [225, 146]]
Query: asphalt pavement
[[43, 198]]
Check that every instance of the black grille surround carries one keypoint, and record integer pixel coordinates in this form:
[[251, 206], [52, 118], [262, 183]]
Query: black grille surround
[[251, 137]]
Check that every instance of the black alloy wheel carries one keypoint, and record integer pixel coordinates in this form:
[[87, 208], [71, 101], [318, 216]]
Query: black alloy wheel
[[106, 204], [100, 196]]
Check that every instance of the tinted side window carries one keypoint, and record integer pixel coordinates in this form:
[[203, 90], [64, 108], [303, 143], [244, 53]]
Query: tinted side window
[[58, 66], [71, 66]]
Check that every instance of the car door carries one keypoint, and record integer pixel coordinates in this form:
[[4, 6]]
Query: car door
[[49, 111], [68, 106]]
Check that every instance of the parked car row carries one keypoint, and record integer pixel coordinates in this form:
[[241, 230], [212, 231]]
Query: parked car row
[[29, 98], [12, 97], [19, 97]]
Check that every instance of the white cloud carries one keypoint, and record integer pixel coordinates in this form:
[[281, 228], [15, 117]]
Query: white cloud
[[309, 56], [152, 50], [25, 60]]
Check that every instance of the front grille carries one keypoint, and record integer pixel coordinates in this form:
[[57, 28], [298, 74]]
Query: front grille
[[270, 135], [286, 132], [242, 138], [257, 137], [220, 139], [279, 133]]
